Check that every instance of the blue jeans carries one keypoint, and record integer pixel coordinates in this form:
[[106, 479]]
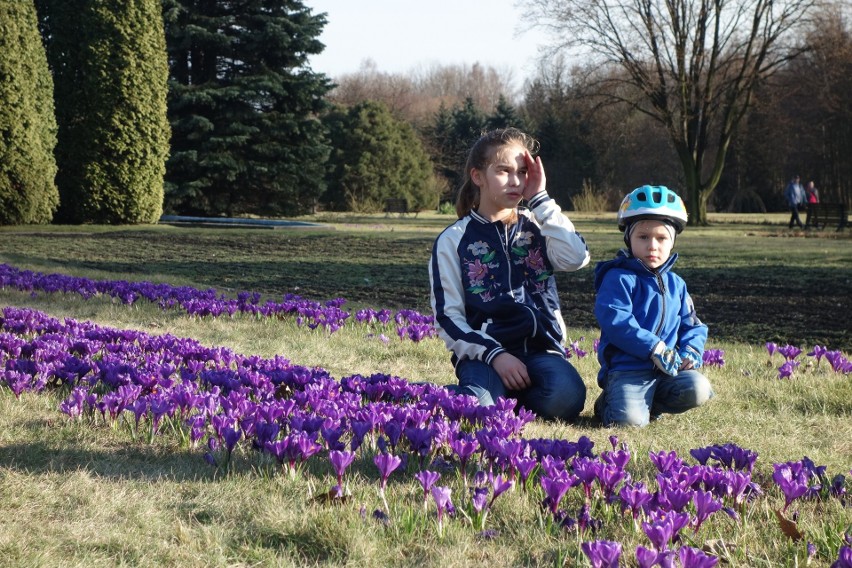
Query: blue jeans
[[557, 391], [631, 398]]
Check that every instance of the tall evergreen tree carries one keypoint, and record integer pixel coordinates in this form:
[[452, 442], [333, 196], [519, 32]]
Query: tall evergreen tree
[[110, 71], [377, 157], [27, 124], [243, 107], [504, 116]]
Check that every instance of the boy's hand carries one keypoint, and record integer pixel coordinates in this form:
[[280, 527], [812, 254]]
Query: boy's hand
[[512, 371], [666, 360], [691, 358]]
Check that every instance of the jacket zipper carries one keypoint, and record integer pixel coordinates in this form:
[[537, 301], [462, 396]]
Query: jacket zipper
[[504, 242], [662, 286]]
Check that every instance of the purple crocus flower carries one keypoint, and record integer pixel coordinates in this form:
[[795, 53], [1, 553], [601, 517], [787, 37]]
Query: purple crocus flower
[[427, 479], [501, 485], [609, 477], [839, 363], [634, 497], [555, 489], [792, 483], [818, 352], [844, 558], [575, 346], [442, 497], [386, 463], [694, 558], [659, 533], [602, 553], [705, 505], [646, 557], [665, 461], [524, 466], [617, 458], [464, 448], [713, 358], [479, 500], [340, 461], [785, 371], [230, 436], [789, 352], [587, 471], [673, 498]]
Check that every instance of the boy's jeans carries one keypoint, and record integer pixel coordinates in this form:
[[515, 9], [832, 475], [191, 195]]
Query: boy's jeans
[[631, 398], [557, 391]]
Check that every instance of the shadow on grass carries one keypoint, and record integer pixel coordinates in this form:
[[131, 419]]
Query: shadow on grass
[[127, 462]]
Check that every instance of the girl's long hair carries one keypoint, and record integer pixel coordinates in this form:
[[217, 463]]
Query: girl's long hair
[[480, 157]]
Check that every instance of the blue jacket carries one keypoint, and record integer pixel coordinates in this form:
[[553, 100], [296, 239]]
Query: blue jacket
[[794, 194], [637, 308], [492, 285]]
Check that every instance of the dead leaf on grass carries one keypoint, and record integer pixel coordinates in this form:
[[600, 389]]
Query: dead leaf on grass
[[788, 527]]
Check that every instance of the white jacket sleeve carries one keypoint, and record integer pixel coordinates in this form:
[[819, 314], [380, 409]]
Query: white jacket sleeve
[[448, 304], [566, 248]]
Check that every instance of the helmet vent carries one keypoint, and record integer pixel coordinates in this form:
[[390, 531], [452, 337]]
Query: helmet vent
[[657, 196], [671, 198]]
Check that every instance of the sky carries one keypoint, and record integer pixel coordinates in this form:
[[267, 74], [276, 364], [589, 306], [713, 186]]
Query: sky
[[405, 35]]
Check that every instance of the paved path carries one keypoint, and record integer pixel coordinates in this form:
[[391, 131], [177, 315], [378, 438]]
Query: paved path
[[236, 222]]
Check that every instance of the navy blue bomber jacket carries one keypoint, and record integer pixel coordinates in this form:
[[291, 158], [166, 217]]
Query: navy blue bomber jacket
[[492, 284]]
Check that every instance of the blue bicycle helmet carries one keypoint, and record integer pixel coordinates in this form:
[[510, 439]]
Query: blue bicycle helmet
[[652, 202]]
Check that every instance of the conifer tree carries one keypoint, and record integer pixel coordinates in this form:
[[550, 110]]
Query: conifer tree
[[110, 70], [377, 157], [244, 107], [504, 116], [27, 124]]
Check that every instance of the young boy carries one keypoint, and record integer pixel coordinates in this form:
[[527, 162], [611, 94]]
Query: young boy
[[652, 343]]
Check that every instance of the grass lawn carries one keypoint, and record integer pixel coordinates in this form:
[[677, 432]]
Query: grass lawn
[[91, 493]]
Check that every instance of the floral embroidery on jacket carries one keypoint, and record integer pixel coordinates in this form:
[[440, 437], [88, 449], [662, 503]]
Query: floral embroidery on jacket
[[530, 259], [479, 270]]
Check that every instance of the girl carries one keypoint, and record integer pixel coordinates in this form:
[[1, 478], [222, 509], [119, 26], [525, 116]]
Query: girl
[[493, 290]]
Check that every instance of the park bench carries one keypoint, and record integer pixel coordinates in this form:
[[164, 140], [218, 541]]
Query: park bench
[[822, 215], [398, 206]]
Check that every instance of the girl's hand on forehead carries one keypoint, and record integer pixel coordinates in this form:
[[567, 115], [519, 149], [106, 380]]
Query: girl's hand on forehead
[[536, 180]]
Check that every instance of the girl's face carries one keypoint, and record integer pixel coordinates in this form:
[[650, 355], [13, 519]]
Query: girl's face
[[502, 183], [651, 242]]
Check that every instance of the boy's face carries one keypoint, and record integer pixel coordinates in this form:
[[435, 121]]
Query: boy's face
[[651, 242]]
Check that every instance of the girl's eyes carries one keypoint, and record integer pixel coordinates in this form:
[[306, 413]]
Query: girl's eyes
[[506, 170]]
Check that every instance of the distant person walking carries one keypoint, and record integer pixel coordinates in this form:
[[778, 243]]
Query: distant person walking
[[812, 199], [795, 196], [812, 193]]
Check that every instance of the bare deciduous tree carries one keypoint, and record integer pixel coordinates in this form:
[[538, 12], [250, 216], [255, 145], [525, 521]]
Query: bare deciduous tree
[[417, 95], [691, 65]]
